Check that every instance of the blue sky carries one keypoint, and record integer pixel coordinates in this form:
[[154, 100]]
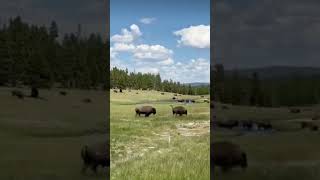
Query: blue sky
[[169, 37]]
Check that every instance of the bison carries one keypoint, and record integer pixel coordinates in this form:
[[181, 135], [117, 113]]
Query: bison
[[173, 98], [115, 91], [87, 100], [229, 124], [180, 100], [247, 124], [227, 155], [146, 110], [295, 110], [162, 93], [63, 93], [95, 155], [179, 110], [206, 101], [17, 93], [310, 125]]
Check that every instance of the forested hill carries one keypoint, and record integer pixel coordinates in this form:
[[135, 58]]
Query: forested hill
[[124, 79], [33, 56]]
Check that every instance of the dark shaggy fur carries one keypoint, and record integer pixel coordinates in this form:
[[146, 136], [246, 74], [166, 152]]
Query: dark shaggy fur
[[179, 110], [227, 155], [228, 124], [146, 110], [94, 156]]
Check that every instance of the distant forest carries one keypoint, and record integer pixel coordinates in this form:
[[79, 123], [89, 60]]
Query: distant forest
[[123, 79], [292, 90], [32, 55]]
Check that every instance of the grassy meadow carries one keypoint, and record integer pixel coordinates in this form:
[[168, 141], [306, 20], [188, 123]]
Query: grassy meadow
[[287, 152], [42, 138], [160, 146]]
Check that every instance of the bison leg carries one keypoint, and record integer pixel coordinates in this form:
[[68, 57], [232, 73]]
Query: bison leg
[[84, 168], [147, 114], [94, 168]]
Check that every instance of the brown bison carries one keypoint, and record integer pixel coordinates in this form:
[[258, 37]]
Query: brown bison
[[229, 124], [87, 100], [310, 125], [63, 93], [295, 110], [179, 110], [17, 93], [227, 155], [173, 98], [206, 101], [146, 110], [115, 91], [180, 100], [95, 155], [162, 93]]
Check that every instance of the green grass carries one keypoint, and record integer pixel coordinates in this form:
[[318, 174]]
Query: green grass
[[140, 147], [42, 139], [288, 153]]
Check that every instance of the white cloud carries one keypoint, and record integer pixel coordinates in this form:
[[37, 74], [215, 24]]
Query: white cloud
[[195, 36], [127, 36], [122, 47], [147, 20], [152, 52], [166, 62]]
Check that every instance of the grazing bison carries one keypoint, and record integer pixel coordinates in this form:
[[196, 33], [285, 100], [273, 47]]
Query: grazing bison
[[17, 93], [146, 110], [87, 100], [63, 93], [228, 124], [173, 98], [180, 100], [310, 125], [175, 94], [95, 155], [162, 93], [206, 101], [115, 91], [227, 155], [295, 110], [202, 96], [179, 110], [263, 125], [120, 90]]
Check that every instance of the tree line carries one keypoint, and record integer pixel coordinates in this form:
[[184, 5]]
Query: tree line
[[34, 55], [293, 90], [146, 81]]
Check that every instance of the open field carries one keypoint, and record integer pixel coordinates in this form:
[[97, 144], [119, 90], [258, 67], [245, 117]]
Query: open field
[[160, 146], [286, 152], [42, 139]]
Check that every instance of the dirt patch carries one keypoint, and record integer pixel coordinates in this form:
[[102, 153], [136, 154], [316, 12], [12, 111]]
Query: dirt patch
[[194, 129]]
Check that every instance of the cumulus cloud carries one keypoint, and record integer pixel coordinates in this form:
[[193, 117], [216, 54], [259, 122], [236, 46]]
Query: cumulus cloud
[[194, 36], [152, 52], [127, 36], [122, 47], [147, 20]]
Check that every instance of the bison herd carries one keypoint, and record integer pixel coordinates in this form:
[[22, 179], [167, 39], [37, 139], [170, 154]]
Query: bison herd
[[245, 124], [148, 110]]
